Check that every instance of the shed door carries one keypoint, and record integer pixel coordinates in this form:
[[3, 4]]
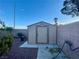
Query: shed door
[[42, 35]]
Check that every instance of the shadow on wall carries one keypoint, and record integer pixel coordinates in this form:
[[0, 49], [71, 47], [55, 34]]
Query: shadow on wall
[[69, 32]]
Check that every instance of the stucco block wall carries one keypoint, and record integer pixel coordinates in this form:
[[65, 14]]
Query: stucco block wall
[[52, 35], [23, 31], [69, 32]]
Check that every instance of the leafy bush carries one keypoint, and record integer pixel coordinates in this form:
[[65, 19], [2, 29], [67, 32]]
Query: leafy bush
[[9, 29], [21, 36], [54, 50], [5, 44]]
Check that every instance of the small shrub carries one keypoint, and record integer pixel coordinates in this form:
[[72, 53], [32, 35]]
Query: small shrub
[[6, 44], [9, 29], [54, 50], [21, 36]]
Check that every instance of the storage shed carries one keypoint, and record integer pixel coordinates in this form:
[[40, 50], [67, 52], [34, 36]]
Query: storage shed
[[41, 33]]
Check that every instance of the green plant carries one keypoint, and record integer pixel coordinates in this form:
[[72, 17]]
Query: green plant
[[70, 7], [5, 44], [9, 29], [54, 50], [6, 39], [21, 36]]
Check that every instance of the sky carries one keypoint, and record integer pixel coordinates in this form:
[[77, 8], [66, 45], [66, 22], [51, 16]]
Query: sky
[[28, 12]]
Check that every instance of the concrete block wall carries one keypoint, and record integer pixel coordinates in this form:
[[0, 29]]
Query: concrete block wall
[[23, 31], [69, 32]]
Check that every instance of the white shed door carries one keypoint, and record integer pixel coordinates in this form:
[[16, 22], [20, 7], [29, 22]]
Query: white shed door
[[42, 35]]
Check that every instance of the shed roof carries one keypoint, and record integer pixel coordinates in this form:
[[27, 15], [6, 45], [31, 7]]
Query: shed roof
[[41, 22]]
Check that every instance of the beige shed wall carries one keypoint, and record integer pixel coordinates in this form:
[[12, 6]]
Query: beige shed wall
[[32, 35]]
